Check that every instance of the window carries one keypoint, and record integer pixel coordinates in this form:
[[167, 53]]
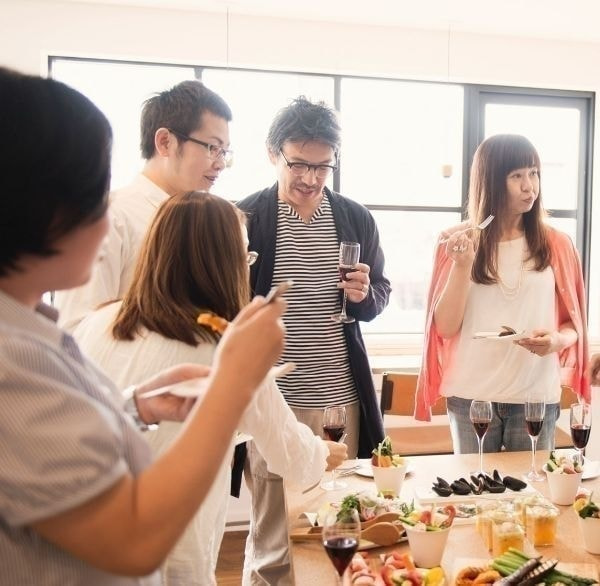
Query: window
[[406, 153]]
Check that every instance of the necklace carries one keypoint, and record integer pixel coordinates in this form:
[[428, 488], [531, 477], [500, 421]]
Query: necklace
[[512, 292]]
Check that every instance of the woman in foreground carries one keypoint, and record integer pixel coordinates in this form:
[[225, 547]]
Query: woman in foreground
[[81, 501]]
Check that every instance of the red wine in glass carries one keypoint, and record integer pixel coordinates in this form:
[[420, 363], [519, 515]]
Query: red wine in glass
[[581, 424], [480, 414], [481, 427], [333, 433], [534, 426], [340, 551], [334, 424], [349, 255], [535, 409], [344, 270], [340, 536], [580, 434]]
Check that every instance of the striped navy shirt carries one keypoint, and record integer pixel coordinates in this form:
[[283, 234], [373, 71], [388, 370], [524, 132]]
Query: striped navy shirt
[[308, 253], [64, 440]]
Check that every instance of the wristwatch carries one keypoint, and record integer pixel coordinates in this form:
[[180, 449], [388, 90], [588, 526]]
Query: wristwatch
[[130, 407]]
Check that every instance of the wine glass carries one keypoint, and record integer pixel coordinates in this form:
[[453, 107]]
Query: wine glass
[[334, 424], [581, 425], [349, 255], [535, 408], [480, 414], [341, 535]]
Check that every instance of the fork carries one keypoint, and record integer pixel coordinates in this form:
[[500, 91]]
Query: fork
[[481, 226]]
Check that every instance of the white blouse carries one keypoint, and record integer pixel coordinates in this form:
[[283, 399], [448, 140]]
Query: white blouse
[[496, 369], [289, 447]]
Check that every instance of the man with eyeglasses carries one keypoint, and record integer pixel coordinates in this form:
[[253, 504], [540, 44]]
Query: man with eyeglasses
[[296, 227], [185, 144]]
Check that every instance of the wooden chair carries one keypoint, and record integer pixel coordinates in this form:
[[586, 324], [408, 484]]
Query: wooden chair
[[411, 437]]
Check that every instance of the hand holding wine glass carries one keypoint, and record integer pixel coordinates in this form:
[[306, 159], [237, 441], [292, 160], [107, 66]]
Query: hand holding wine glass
[[341, 535], [535, 409], [480, 414], [581, 425], [349, 256], [334, 424]]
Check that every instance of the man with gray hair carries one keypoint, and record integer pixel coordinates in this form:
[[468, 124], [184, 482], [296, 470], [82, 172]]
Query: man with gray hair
[[296, 227]]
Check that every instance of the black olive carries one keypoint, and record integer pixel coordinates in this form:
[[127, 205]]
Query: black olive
[[460, 488], [442, 482], [492, 486], [514, 483], [442, 490]]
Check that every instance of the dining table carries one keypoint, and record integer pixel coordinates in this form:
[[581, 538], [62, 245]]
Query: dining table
[[310, 563]]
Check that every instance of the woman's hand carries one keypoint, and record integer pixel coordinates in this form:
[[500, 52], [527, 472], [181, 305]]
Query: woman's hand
[[357, 286], [460, 248], [338, 452], [543, 342], [167, 407]]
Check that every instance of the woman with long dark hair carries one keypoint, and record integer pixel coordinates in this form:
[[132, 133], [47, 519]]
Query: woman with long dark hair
[[195, 260], [517, 272]]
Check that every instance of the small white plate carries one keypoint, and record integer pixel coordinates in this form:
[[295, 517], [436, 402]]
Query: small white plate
[[591, 469], [196, 387], [496, 336]]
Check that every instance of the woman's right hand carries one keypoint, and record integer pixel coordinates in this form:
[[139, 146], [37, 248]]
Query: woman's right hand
[[338, 453], [251, 345], [460, 248]]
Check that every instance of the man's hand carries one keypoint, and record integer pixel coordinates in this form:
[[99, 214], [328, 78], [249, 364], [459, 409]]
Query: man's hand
[[357, 286]]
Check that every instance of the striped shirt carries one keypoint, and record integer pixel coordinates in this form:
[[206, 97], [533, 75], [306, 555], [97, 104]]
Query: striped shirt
[[308, 254], [64, 440]]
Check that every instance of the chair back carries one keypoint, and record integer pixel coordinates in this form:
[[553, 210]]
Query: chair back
[[398, 395]]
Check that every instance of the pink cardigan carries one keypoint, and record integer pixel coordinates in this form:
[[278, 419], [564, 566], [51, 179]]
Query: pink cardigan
[[570, 306]]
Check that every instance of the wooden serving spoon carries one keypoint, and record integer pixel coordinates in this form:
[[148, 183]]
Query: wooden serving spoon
[[385, 533]]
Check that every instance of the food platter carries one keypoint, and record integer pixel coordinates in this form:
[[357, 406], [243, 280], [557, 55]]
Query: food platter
[[426, 495], [580, 569]]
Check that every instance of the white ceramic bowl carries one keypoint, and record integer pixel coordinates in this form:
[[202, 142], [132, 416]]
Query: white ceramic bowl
[[590, 529], [427, 547], [563, 487], [389, 479]]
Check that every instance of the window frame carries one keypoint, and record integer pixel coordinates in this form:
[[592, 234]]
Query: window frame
[[476, 96]]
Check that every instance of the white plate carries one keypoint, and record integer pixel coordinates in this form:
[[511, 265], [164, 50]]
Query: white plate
[[496, 336], [591, 469], [196, 387]]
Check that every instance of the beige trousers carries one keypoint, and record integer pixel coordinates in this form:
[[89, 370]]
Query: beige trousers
[[267, 561]]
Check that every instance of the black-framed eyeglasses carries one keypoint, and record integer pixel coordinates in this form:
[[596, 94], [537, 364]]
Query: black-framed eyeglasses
[[214, 150], [251, 257], [299, 169]]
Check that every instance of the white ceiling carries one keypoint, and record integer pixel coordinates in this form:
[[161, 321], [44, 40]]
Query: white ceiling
[[576, 20]]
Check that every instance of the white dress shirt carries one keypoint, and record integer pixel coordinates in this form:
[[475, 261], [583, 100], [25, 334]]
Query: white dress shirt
[[131, 211], [289, 447]]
